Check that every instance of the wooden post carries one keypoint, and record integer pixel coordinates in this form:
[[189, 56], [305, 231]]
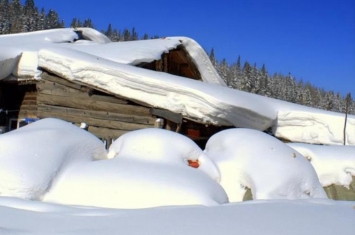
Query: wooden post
[[347, 104]]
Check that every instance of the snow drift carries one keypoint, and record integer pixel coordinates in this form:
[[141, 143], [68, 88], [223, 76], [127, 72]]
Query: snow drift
[[162, 146], [333, 164], [271, 169], [32, 157]]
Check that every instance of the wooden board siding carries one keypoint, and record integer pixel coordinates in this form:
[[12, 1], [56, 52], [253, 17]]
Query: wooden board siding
[[108, 116], [176, 62]]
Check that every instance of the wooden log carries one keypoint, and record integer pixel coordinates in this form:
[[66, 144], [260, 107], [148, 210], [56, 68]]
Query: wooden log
[[27, 113], [175, 117], [60, 81], [74, 93], [75, 102], [29, 102], [103, 133], [28, 107], [95, 122], [98, 114], [48, 85]]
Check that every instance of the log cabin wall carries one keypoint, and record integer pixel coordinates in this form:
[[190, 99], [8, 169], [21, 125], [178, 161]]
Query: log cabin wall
[[107, 116]]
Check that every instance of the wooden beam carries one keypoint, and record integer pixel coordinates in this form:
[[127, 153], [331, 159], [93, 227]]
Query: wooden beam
[[97, 114], [174, 117], [75, 102], [61, 81], [95, 122]]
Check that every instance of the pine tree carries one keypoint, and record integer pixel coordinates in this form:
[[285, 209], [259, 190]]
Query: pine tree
[[246, 77], [134, 35], [223, 72], [17, 17], [213, 58], [52, 20], [88, 24]]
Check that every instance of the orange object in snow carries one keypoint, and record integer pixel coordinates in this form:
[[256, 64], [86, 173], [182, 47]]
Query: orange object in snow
[[194, 164]]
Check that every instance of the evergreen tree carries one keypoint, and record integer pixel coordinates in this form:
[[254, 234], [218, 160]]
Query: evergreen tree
[[134, 35], [52, 20], [88, 23], [213, 58], [223, 71], [246, 84]]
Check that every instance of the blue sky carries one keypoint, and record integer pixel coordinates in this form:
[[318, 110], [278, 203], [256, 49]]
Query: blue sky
[[314, 40]]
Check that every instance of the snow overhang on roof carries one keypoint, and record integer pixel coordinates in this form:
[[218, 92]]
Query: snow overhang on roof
[[97, 45]]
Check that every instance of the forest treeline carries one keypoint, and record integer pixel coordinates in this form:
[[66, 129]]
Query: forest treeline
[[16, 17]]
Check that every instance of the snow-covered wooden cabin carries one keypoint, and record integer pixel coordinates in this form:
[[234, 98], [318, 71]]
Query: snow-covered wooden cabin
[[30, 91]]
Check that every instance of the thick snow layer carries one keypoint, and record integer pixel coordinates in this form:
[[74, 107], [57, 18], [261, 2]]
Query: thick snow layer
[[333, 164], [136, 52], [9, 58], [208, 103], [27, 66], [33, 156], [148, 168], [162, 146], [59, 162], [93, 35], [315, 128], [276, 217], [44, 37], [130, 183], [271, 169], [123, 52], [193, 99]]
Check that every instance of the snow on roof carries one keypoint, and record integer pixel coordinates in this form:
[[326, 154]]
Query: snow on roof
[[133, 52], [108, 66]]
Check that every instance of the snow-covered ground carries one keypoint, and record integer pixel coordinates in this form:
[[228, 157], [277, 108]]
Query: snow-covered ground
[[94, 190], [269, 217], [109, 66]]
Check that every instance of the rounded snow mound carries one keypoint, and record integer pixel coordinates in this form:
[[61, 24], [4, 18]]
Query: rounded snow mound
[[146, 168], [162, 146], [271, 169], [33, 156]]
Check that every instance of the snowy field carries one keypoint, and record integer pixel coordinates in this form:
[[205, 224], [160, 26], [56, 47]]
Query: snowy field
[[56, 178], [61, 180]]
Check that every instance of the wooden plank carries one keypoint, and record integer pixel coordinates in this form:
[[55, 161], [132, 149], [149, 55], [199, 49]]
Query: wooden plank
[[29, 102], [73, 102], [75, 93], [98, 114], [27, 113], [28, 107], [103, 133], [95, 122], [175, 117], [61, 81], [48, 85]]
